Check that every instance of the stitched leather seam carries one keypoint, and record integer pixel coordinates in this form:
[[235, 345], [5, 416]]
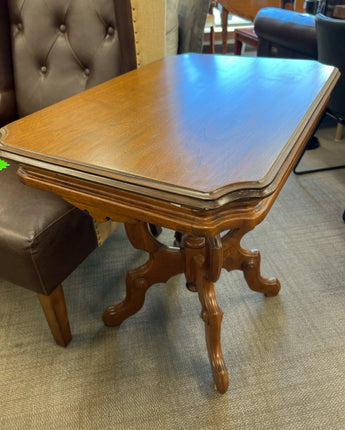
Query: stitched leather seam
[[38, 272], [100, 17], [50, 49], [55, 221], [36, 236]]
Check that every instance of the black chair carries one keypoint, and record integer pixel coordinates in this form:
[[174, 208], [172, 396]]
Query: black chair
[[331, 50]]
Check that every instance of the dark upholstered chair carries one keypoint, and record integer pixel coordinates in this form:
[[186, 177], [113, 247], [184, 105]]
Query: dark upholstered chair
[[285, 34], [50, 50], [330, 35], [331, 51], [288, 34]]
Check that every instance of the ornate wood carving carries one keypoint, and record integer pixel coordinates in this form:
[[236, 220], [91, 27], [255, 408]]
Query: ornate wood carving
[[163, 263], [201, 261], [194, 247], [212, 316], [205, 180], [248, 261]]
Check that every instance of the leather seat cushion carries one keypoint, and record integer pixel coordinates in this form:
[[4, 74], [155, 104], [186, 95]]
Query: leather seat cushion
[[42, 237]]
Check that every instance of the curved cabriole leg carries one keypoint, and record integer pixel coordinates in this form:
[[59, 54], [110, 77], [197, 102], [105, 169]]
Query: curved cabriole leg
[[205, 263], [238, 258], [163, 263], [251, 271], [212, 316]]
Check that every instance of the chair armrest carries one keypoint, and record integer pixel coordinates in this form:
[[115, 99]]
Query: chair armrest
[[291, 31]]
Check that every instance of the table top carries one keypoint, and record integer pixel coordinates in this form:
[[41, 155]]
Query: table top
[[194, 129]]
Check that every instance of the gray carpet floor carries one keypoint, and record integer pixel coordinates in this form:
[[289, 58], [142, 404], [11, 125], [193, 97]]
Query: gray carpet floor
[[285, 354]]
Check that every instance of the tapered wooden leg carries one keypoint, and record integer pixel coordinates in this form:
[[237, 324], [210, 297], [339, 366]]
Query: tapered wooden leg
[[163, 263], [224, 18], [339, 131], [204, 262], [55, 310], [212, 49], [237, 258]]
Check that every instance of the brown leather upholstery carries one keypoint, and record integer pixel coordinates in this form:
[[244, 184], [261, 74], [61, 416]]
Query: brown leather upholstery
[[57, 48], [61, 48], [43, 238], [50, 50], [7, 96]]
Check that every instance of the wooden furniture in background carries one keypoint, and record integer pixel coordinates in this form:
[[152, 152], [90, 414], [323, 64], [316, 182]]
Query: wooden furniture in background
[[144, 148], [247, 36], [339, 11], [210, 24]]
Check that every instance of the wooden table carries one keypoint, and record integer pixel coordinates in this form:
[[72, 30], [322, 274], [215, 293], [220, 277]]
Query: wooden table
[[167, 145], [246, 36]]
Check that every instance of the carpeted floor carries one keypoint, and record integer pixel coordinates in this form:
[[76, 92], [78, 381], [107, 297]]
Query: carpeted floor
[[285, 355]]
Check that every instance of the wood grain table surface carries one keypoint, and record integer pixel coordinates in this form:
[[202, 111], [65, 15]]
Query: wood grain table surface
[[192, 129], [200, 144]]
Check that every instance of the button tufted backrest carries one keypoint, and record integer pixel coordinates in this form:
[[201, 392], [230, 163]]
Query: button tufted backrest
[[61, 47], [7, 96]]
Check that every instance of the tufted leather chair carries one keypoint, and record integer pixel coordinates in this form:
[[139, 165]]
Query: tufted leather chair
[[50, 50]]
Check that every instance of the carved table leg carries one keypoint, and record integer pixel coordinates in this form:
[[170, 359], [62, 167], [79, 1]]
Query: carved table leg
[[203, 265], [201, 259], [163, 263], [235, 257]]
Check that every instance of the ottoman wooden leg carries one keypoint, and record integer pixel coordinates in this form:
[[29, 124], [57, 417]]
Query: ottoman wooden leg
[[54, 308]]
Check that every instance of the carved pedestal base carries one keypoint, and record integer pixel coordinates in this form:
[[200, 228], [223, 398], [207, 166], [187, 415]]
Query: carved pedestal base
[[201, 259]]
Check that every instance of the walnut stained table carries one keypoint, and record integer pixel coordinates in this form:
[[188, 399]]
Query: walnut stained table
[[200, 144]]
